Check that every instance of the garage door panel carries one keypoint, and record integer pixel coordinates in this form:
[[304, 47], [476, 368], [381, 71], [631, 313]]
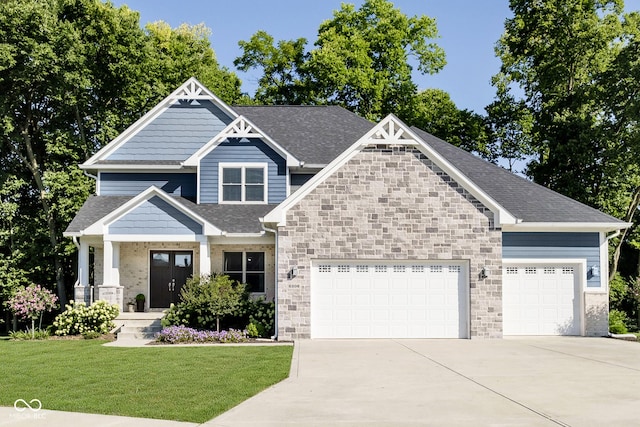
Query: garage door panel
[[541, 300], [397, 299]]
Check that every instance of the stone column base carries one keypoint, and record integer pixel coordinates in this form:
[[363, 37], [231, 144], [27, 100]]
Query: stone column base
[[596, 314], [82, 293], [112, 294]]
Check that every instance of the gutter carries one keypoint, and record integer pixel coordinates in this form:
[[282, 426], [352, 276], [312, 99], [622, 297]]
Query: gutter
[[275, 232]]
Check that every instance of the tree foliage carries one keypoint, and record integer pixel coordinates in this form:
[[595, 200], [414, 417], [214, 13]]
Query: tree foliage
[[363, 60], [73, 75], [576, 64]]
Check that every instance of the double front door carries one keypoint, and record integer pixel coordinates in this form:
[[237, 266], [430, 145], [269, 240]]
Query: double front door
[[169, 271]]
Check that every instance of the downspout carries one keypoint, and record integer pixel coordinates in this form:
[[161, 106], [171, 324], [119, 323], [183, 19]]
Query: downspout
[[275, 232]]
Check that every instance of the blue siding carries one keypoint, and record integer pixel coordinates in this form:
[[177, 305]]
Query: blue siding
[[132, 184], [554, 245], [175, 134], [156, 217], [244, 151]]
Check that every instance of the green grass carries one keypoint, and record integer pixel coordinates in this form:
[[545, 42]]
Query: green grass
[[178, 383]]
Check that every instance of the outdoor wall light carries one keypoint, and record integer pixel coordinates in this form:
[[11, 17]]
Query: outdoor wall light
[[484, 272], [292, 273], [595, 271]]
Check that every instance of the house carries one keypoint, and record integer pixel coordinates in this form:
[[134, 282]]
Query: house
[[356, 229]]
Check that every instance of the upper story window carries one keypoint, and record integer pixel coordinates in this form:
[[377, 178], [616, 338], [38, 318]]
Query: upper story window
[[246, 183]]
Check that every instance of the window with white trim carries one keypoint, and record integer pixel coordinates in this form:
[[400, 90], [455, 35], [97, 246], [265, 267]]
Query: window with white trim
[[246, 267], [243, 183]]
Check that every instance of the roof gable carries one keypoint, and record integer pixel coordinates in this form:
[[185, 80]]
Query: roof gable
[[189, 106], [240, 128], [101, 227], [390, 131]]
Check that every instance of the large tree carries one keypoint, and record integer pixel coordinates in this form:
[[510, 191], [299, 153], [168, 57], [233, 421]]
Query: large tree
[[575, 63], [360, 60], [73, 75]]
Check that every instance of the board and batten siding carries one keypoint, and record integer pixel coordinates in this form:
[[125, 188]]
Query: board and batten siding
[[244, 151], [132, 184], [175, 134], [155, 216], [546, 245]]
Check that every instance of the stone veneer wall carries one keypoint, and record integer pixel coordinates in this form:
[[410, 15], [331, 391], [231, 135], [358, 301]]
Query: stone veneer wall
[[596, 314], [389, 202]]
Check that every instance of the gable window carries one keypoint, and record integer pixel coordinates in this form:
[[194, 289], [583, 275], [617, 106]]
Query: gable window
[[246, 267], [243, 183]]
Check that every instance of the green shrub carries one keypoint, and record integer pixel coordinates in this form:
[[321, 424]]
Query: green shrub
[[196, 308], [36, 334], [206, 301], [91, 335], [617, 322], [78, 319], [253, 330]]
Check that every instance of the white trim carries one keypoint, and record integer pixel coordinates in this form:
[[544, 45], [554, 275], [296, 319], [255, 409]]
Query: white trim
[[101, 227], [135, 168], [241, 127], [231, 239], [581, 263], [98, 186], [390, 131], [192, 89], [604, 262], [243, 167], [152, 238], [565, 226]]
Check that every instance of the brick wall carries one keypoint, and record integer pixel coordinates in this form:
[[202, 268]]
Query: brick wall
[[389, 202]]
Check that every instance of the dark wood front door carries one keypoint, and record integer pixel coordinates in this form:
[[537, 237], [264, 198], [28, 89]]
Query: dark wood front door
[[169, 271]]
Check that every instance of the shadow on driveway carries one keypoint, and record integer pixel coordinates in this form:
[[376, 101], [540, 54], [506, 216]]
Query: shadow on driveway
[[567, 381]]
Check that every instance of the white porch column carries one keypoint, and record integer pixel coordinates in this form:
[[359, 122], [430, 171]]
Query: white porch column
[[205, 256], [110, 289], [81, 290]]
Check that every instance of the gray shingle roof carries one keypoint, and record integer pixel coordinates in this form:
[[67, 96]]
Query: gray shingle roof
[[229, 218], [313, 134], [522, 198]]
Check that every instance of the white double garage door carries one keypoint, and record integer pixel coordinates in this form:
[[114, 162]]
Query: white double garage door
[[409, 299]]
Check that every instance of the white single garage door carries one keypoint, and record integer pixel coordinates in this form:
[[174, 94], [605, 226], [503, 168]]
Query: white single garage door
[[365, 299], [541, 300]]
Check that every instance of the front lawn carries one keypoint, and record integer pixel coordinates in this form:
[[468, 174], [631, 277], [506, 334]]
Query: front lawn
[[175, 383]]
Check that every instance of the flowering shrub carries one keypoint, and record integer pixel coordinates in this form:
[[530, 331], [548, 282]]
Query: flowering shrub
[[80, 319], [31, 302], [183, 334]]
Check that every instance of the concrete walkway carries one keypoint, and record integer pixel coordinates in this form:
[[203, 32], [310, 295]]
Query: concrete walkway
[[511, 382]]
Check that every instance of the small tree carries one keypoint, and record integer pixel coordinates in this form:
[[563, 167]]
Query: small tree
[[212, 294], [31, 302]]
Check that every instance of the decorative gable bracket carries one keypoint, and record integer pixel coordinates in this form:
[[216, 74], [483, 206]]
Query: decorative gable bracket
[[390, 131], [241, 127]]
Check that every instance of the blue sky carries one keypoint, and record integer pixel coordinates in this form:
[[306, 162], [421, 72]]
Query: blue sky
[[468, 32]]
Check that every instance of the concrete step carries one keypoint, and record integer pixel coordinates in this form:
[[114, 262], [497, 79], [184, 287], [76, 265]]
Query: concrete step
[[133, 329], [140, 323], [138, 335]]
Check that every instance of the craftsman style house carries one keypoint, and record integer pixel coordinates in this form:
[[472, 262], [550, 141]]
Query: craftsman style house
[[356, 229]]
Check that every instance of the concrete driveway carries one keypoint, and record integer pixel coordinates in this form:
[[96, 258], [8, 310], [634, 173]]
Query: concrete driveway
[[510, 382]]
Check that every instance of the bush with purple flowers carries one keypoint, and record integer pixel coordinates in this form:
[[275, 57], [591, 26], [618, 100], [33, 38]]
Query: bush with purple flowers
[[184, 334], [31, 302]]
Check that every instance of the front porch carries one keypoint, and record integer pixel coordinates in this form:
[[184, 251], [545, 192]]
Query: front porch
[[124, 269]]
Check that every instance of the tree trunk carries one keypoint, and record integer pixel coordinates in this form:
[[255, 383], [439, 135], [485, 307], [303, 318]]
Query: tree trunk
[[633, 206], [31, 163]]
